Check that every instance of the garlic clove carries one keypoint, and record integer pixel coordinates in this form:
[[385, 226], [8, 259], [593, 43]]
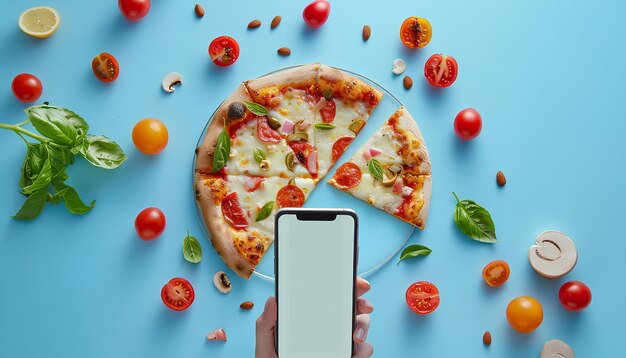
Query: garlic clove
[[217, 335], [171, 80], [554, 255], [399, 66]]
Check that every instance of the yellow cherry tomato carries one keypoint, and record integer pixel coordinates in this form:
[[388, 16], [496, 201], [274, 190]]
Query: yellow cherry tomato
[[150, 136], [415, 32], [524, 314]]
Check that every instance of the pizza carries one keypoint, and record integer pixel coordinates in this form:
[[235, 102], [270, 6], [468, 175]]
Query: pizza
[[391, 171], [267, 147]]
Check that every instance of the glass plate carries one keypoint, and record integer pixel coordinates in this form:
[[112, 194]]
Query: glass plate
[[381, 236]]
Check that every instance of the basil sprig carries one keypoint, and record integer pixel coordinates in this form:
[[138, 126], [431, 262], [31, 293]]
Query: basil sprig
[[256, 108], [474, 220], [265, 211], [376, 169], [222, 150], [192, 251], [62, 134], [414, 251]]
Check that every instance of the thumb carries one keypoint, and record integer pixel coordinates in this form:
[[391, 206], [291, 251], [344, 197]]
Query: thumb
[[265, 326]]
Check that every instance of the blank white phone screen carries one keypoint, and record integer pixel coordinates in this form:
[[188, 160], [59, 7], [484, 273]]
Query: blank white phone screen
[[315, 287]]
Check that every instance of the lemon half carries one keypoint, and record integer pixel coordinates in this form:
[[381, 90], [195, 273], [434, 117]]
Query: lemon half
[[39, 21]]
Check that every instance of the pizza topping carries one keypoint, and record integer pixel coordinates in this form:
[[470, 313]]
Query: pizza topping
[[259, 155], [389, 178], [256, 108], [290, 161], [298, 137], [236, 110], [375, 151], [252, 183], [406, 191], [397, 186], [348, 176], [217, 335], [328, 111], [265, 164], [290, 196], [265, 132], [327, 93], [302, 125], [311, 162], [265, 211], [357, 125], [287, 127], [376, 169], [232, 211], [221, 282], [222, 150], [324, 126], [340, 146]]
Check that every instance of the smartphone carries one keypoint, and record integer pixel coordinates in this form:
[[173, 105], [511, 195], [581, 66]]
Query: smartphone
[[316, 254]]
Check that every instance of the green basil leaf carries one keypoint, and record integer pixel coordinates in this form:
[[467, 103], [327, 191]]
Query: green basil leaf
[[53, 123], [259, 155], [376, 169], [266, 211], [43, 178], [324, 126], [474, 220], [35, 157], [60, 159], [102, 152], [222, 151], [414, 251], [58, 196], [256, 108], [192, 251], [72, 200], [33, 206]]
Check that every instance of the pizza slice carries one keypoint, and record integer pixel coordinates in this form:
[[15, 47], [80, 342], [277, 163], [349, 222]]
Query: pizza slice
[[239, 212], [344, 105], [391, 171]]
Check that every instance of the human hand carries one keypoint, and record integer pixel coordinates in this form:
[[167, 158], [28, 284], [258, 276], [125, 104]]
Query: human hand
[[266, 323]]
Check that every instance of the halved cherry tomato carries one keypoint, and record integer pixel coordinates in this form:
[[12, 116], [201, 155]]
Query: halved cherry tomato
[[524, 314], [105, 67], [328, 111], [441, 70], [496, 273], [150, 136], [422, 297], [178, 294], [224, 51], [415, 32], [468, 124], [575, 295], [26, 87], [150, 223], [134, 10], [316, 13], [290, 196]]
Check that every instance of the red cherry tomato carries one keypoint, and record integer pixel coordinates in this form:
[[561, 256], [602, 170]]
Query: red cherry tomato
[[422, 297], [134, 10], [224, 51], [178, 294], [26, 87], [316, 13], [496, 273], [468, 124], [105, 67], [150, 223], [575, 295], [441, 70]]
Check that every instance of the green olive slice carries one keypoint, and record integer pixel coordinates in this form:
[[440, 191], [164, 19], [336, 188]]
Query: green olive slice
[[273, 122], [290, 160], [357, 125], [298, 137]]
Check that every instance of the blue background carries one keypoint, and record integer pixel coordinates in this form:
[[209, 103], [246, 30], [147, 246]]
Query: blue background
[[546, 76]]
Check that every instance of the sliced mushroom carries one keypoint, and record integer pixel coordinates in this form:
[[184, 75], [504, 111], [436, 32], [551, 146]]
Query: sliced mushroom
[[217, 335], [399, 66], [222, 283], [171, 80], [554, 255], [555, 348]]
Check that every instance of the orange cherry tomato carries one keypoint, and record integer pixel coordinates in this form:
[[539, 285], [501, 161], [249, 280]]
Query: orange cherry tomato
[[496, 273], [415, 32], [524, 314], [150, 136]]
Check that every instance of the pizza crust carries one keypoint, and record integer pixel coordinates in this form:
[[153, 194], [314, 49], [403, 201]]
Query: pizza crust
[[350, 87], [265, 89], [422, 217], [416, 151]]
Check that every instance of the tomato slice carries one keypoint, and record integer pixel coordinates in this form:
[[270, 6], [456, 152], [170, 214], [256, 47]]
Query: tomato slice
[[328, 111], [232, 211], [340, 146], [252, 182], [265, 132], [441, 70], [178, 294], [224, 51], [496, 273], [290, 196], [105, 67], [415, 32], [347, 176], [422, 297]]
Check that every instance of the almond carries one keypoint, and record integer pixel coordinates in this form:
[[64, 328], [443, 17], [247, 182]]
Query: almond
[[487, 338], [284, 51], [407, 82], [367, 31], [199, 10], [500, 178], [254, 24], [247, 305], [275, 21]]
